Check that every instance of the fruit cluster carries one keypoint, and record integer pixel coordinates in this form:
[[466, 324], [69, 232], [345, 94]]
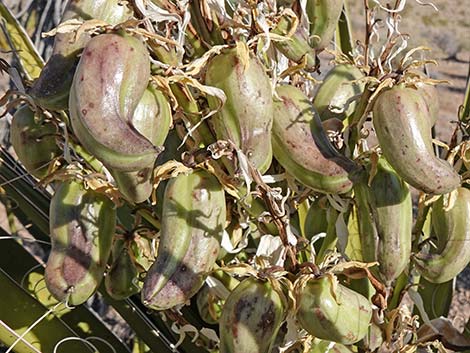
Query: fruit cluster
[[213, 147]]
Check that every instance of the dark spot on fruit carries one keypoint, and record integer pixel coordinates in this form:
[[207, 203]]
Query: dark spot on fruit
[[131, 49], [351, 336], [235, 331], [88, 53], [292, 144], [319, 314], [267, 320], [242, 306], [91, 105], [196, 195], [84, 111]]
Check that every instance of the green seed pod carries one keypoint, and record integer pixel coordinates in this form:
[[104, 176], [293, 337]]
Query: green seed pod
[[82, 224], [51, 89], [302, 147], [385, 219], [209, 306], [401, 121], [316, 221], [193, 220], [122, 279], [246, 117], [152, 118], [334, 98], [431, 97], [192, 114], [452, 227], [33, 139], [323, 16], [331, 311], [206, 23], [437, 297], [251, 318], [296, 47], [111, 78]]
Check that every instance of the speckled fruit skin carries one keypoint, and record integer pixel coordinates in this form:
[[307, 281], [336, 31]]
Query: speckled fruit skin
[[247, 115], [110, 80], [343, 318], [193, 220], [385, 219], [302, 147], [403, 126], [452, 229], [51, 89], [82, 225], [34, 141], [251, 317]]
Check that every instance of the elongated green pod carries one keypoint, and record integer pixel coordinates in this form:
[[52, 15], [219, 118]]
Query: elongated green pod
[[251, 318], [152, 118], [385, 220], [110, 80], [401, 121], [316, 221], [330, 311], [247, 115], [51, 89], [429, 93], [453, 225], [193, 220], [335, 96], [323, 16], [135, 186], [82, 224], [192, 114], [302, 147], [121, 281], [209, 306], [34, 142], [431, 97], [296, 47], [437, 297], [206, 23]]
